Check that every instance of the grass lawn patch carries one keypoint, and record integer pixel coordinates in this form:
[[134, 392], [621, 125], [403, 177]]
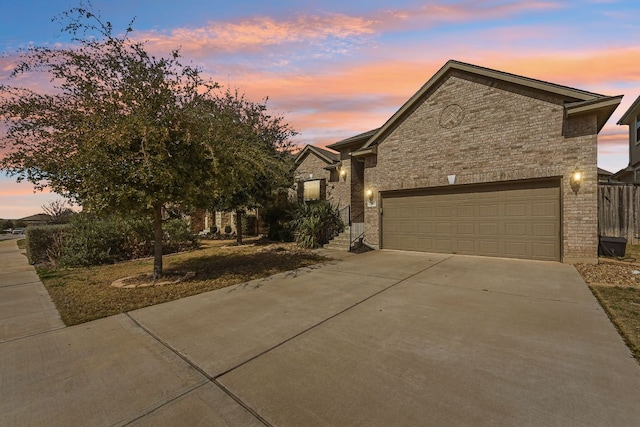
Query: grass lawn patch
[[22, 243], [632, 251], [623, 307], [84, 294], [617, 288]]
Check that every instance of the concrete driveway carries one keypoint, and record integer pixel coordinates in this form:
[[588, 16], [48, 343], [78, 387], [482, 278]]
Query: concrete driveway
[[383, 338]]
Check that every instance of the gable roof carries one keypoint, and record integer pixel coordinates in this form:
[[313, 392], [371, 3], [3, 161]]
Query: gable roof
[[327, 156], [360, 138], [629, 116], [37, 217], [576, 101], [604, 172]]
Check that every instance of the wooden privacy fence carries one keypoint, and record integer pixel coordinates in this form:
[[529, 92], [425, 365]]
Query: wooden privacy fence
[[618, 206]]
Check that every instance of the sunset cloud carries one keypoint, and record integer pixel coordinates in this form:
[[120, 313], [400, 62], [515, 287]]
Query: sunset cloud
[[464, 11], [339, 68], [334, 31]]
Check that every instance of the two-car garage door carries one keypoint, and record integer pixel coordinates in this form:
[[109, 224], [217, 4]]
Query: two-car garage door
[[513, 221]]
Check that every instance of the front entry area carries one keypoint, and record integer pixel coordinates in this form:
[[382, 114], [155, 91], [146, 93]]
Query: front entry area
[[511, 220]]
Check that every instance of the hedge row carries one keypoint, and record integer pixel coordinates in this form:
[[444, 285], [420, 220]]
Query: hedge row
[[88, 240]]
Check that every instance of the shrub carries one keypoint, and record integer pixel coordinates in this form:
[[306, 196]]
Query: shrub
[[178, 236], [277, 218], [94, 241], [227, 229], [316, 223], [213, 229], [90, 240], [46, 243], [249, 225]]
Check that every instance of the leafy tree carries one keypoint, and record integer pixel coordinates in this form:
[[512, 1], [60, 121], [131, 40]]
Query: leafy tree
[[18, 223], [255, 160], [58, 210], [5, 224], [120, 131]]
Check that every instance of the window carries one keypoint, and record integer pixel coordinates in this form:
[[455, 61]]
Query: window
[[312, 190], [636, 177], [638, 129]]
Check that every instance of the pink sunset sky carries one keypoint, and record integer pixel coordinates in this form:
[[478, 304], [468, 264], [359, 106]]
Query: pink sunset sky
[[335, 69]]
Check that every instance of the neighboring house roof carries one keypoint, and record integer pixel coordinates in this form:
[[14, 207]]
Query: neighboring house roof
[[622, 173], [604, 172], [356, 139], [629, 116], [37, 217], [576, 101], [328, 156]]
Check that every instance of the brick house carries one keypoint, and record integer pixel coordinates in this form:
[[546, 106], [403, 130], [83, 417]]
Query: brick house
[[631, 118], [479, 162]]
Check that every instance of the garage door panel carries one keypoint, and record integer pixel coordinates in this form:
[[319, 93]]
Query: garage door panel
[[424, 212], [425, 227], [488, 228], [544, 209], [443, 228], [544, 251], [488, 210], [544, 230], [519, 223], [425, 244], [516, 248], [515, 209], [466, 228], [515, 229], [466, 246], [406, 227], [466, 211], [489, 247], [443, 245], [444, 211]]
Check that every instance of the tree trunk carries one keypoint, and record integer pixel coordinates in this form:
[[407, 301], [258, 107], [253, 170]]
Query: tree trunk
[[157, 244], [239, 227]]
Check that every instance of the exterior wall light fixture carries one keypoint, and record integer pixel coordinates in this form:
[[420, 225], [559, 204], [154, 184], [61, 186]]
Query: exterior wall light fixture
[[343, 173], [370, 195], [576, 179]]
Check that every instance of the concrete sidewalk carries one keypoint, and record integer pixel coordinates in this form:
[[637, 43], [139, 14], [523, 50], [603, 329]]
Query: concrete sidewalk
[[25, 306], [383, 338]]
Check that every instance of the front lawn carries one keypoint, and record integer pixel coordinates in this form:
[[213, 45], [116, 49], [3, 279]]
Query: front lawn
[[84, 294], [623, 307], [616, 285]]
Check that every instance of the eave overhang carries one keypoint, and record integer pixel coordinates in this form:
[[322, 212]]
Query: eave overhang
[[322, 154], [569, 94], [603, 107], [629, 116], [353, 141], [370, 151]]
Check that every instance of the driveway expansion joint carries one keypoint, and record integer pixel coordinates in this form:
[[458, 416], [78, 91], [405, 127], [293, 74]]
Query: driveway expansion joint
[[14, 285], [160, 405], [333, 316], [198, 369], [31, 335]]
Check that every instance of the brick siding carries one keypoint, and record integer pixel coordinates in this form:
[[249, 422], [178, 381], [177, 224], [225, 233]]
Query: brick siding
[[506, 133], [337, 190]]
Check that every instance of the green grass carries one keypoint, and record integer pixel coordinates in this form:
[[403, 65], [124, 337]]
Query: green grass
[[22, 243], [84, 294]]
